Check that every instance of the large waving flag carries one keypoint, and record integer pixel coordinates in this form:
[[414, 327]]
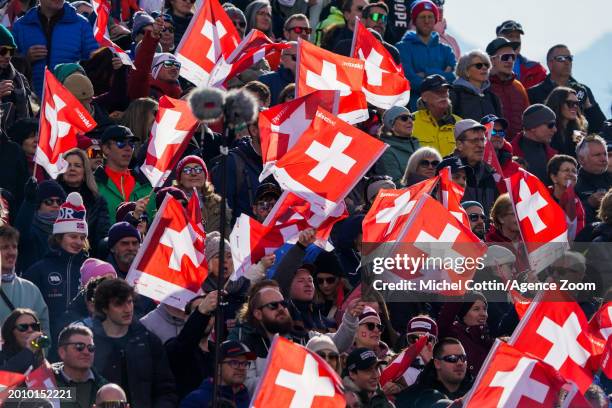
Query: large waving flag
[[100, 30]]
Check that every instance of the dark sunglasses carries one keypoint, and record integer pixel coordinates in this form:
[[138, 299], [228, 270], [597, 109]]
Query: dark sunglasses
[[169, 29], [193, 170], [292, 56], [121, 144], [360, 8], [300, 30], [240, 24], [171, 64], [551, 125], [328, 356], [405, 118], [7, 50], [572, 104], [52, 201], [94, 153], [500, 133], [475, 217], [412, 338], [454, 358], [112, 404], [82, 346], [330, 281], [427, 163], [376, 17], [480, 65], [275, 305], [507, 57], [371, 326], [563, 58], [23, 327]]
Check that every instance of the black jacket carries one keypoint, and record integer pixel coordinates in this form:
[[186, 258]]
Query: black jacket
[[469, 104], [481, 186], [588, 184], [139, 365], [14, 172]]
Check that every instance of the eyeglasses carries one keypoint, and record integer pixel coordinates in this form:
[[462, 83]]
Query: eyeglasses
[[474, 141], [454, 358], [405, 118], [572, 104], [500, 133], [475, 217], [52, 201], [563, 58], [551, 125], [264, 14], [412, 338], [481, 65], [330, 281], [94, 153], [193, 170], [506, 57], [300, 30], [328, 356], [275, 305], [7, 50], [427, 163], [238, 363], [121, 144], [371, 326], [112, 404], [23, 327], [81, 346], [376, 17], [170, 64], [168, 29]]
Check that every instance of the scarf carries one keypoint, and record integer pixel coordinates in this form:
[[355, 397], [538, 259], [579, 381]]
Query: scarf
[[44, 221]]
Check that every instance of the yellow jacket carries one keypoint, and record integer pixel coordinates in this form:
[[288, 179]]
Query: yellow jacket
[[429, 133]]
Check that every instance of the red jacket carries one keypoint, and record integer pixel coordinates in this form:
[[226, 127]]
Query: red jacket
[[516, 147], [531, 72], [514, 100]]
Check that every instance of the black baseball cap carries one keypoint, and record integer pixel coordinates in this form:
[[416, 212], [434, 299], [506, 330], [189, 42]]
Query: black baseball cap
[[495, 119], [233, 348], [455, 164], [433, 82], [116, 132], [361, 359], [265, 189], [509, 26], [501, 42]]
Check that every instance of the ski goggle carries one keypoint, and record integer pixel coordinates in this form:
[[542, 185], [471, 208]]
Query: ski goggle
[[300, 30], [376, 17]]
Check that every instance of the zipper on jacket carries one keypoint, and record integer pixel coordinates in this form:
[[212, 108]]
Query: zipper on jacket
[[68, 297]]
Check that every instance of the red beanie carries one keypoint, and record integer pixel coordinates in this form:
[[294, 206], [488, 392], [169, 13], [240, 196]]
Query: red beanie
[[424, 5], [190, 160]]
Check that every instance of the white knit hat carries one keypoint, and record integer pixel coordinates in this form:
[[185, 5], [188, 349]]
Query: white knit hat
[[72, 215], [321, 342]]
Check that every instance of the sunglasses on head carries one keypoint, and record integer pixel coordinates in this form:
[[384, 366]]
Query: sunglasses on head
[[52, 201], [7, 50], [193, 170], [371, 326], [572, 104], [23, 327], [81, 346], [454, 358], [563, 58], [412, 338], [376, 17], [300, 30], [112, 404], [328, 356], [405, 118], [330, 281], [500, 133], [275, 305], [475, 217], [481, 65], [169, 29], [428, 163], [121, 144], [506, 57]]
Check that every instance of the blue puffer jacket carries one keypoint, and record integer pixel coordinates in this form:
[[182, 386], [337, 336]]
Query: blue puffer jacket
[[431, 58], [71, 40]]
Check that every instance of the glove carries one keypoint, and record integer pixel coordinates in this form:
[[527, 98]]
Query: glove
[[29, 191]]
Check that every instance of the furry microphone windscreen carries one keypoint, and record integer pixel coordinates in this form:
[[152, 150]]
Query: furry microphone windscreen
[[240, 107], [207, 103]]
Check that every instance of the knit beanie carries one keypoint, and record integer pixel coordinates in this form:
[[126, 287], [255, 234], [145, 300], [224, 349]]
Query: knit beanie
[[233, 11], [327, 262], [212, 245], [321, 342], [22, 129], [468, 204], [48, 189], [124, 209], [158, 60], [536, 115], [141, 19], [424, 5], [80, 86], [392, 114], [368, 313], [173, 191], [121, 230], [6, 38], [72, 216], [191, 159], [376, 186], [468, 300], [62, 71], [92, 268], [422, 324]]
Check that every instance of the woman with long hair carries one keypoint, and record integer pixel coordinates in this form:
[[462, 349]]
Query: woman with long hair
[[20, 332], [571, 123], [139, 117]]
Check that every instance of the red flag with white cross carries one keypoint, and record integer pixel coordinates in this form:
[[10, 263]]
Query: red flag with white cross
[[43, 378], [327, 161], [452, 193], [319, 69], [100, 30], [600, 324], [170, 265], [8, 382], [211, 35], [61, 117], [305, 380]]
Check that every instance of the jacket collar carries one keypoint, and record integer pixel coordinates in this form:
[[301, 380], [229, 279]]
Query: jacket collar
[[70, 15]]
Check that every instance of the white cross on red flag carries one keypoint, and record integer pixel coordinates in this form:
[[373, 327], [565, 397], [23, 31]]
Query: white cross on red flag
[[541, 220], [510, 378], [170, 265], [305, 380], [43, 378], [600, 324], [282, 125], [210, 36], [384, 83], [327, 161], [8, 382], [100, 30], [171, 132], [61, 117], [319, 69], [452, 193], [490, 158]]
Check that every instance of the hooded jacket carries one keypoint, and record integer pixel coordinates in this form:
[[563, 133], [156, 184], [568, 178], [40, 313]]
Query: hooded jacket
[[393, 161], [514, 101], [433, 134], [162, 324], [470, 102]]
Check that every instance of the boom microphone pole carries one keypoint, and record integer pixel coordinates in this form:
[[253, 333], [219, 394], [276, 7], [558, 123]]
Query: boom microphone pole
[[237, 107]]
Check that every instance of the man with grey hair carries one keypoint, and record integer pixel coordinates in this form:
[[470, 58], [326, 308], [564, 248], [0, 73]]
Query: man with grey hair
[[593, 178], [533, 143], [284, 75]]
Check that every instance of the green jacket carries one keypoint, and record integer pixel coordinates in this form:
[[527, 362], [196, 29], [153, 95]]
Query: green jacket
[[393, 161], [114, 198], [78, 401], [334, 19]]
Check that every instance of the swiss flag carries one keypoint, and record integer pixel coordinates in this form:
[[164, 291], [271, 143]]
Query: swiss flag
[[282, 125], [390, 210], [170, 265], [606, 360], [384, 83], [305, 380], [254, 47], [490, 158], [171, 132], [210, 36], [319, 69], [327, 161], [574, 212], [538, 217], [9, 381], [194, 211], [43, 379], [511, 378], [100, 30], [401, 363], [556, 332], [600, 324], [452, 193], [61, 117]]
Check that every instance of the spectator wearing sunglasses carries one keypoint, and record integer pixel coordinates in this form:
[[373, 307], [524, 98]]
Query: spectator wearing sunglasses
[[76, 350], [446, 374], [502, 147], [95, 156], [421, 166], [19, 292], [235, 360], [330, 287], [396, 131], [571, 123], [420, 325], [560, 62], [327, 350], [297, 26], [375, 17], [362, 376], [477, 217], [509, 90], [14, 88], [111, 396], [471, 94], [369, 332], [533, 143], [266, 196], [237, 17], [20, 328], [284, 75], [166, 39], [116, 182]]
